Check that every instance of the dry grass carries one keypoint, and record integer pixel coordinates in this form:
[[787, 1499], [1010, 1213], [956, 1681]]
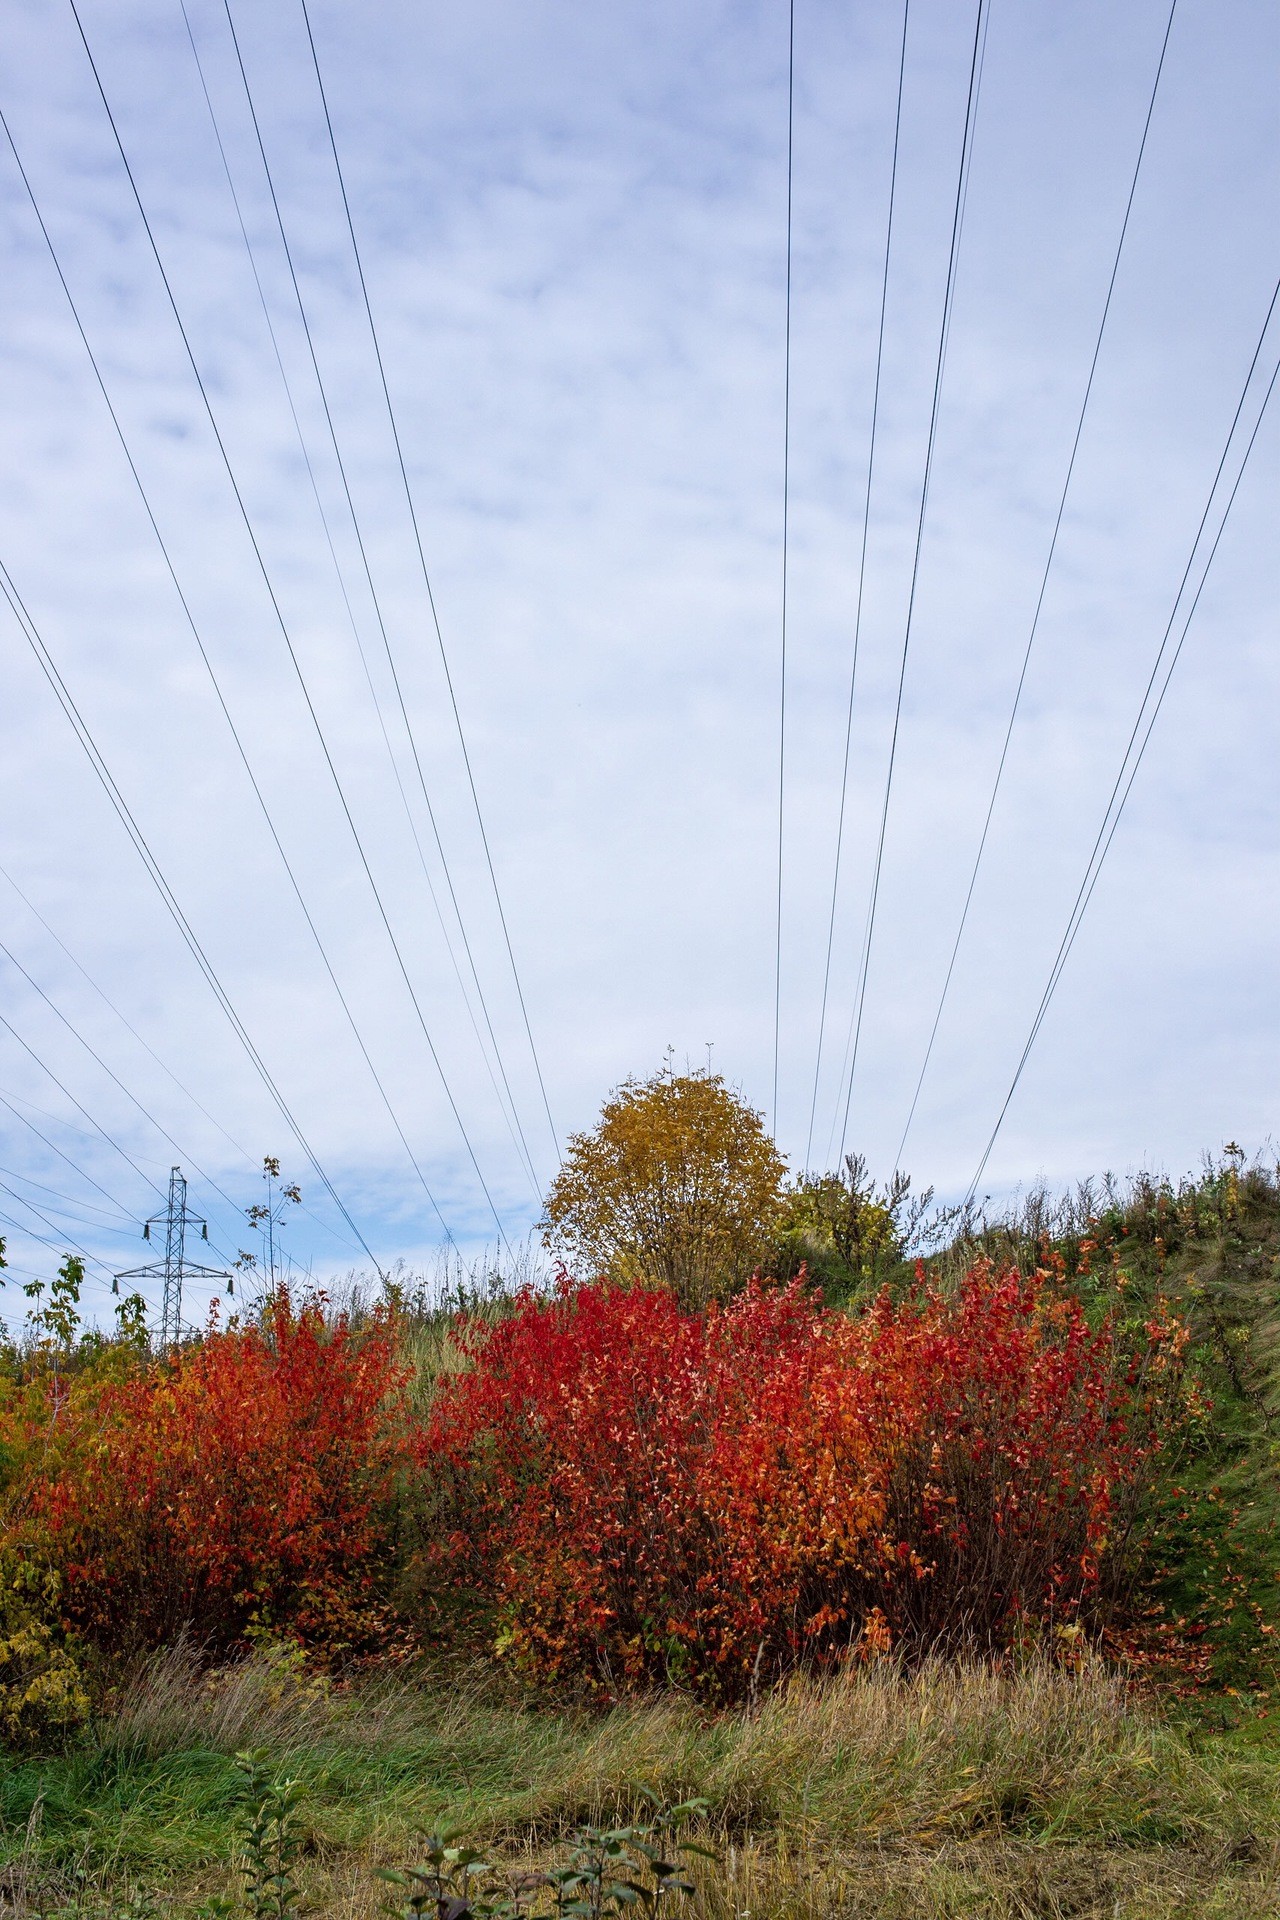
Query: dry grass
[[955, 1749], [1038, 1793], [990, 1879], [173, 1703]]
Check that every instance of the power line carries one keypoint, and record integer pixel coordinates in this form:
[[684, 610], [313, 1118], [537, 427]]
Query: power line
[[426, 579], [58, 1119], [1125, 778], [74, 1165], [22, 1273], [110, 1072], [162, 1064], [862, 575], [786, 552], [514, 1123], [66, 1091], [71, 1209], [204, 655], [1044, 581], [284, 631], [55, 1246], [85, 1206], [966, 150], [512, 1118], [123, 813], [127, 1213], [64, 1243], [287, 640], [209, 667], [110, 1004], [96, 1125]]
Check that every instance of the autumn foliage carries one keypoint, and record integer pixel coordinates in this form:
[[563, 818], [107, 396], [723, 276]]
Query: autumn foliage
[[243, 1480], [639, 1492], [613, 1486], [679, 1184]]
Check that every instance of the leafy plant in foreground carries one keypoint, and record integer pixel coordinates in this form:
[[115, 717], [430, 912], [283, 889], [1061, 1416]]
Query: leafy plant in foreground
[[613, 1869], [272, 1841], [609, 1871], [443, 1883], [55, 1326]]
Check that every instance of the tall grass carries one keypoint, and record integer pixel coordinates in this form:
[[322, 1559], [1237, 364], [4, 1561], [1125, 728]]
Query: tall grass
[[879, 1785]]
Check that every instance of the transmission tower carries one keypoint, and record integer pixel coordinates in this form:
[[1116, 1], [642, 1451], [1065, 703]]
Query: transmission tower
[[175, 1267]]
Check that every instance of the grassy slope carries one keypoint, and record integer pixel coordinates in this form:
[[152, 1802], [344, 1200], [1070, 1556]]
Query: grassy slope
[[950, 1792], [1212, 1248]]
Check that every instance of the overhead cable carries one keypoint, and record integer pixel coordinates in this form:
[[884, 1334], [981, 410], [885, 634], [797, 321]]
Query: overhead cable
[[966, 150], [426, 578], [69, 1209], [95, 1124], [126, 1212], [127, 1024], [1167, 656], [1044, 582], [287, 637], [508, 1105], [279, 616], [862, 576], [212, 673], [143, 850], [113, 1143], [326, 1226], [786, 551], [128, 1093], [61, 1245], [110, 1222]]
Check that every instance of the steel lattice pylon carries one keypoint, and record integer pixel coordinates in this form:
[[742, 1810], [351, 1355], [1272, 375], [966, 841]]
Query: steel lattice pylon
[[175, 1266]]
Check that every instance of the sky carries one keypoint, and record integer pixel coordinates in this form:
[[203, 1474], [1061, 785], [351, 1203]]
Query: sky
[[364, 797]]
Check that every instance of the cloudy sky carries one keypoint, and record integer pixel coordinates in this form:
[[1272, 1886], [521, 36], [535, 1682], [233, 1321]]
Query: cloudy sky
[[572, 223]]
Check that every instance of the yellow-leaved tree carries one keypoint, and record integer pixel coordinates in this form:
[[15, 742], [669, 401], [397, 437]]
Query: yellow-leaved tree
[[679, 1184]]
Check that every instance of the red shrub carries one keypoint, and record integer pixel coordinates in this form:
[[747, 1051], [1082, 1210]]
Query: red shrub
[[243, 1479], [644, 1492]]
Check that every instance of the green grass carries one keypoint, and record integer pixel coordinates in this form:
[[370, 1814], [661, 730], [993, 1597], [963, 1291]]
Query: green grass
[[952, 1791]]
